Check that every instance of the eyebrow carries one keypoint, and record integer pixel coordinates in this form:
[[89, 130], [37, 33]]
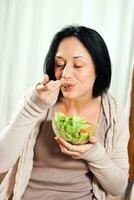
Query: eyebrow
[[59, 57], [72, 57], [79, 57]]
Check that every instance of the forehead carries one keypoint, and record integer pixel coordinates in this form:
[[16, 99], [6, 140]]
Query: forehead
[[71, 47]]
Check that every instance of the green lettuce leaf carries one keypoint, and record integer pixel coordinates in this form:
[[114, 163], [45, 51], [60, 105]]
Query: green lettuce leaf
[[73, 129]]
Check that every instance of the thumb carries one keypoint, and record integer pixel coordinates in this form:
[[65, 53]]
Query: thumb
[[58, 83], [92, 139]]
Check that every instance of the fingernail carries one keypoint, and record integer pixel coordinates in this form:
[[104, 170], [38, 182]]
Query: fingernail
[[92, 139], [57, 137]]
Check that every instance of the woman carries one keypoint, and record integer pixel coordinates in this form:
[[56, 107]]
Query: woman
[[42, 166]]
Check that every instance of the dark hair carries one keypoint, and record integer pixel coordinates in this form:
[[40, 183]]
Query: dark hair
[[97, 49]]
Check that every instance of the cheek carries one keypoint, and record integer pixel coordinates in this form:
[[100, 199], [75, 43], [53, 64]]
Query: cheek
[[58, 74], [87, 75], [86, 79], [91, 70]]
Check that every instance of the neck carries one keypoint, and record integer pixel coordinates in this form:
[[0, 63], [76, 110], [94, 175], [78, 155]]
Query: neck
[[89, 108], [77, 106]]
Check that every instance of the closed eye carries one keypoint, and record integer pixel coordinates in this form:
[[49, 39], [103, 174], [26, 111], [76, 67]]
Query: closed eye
[[78, 66], [60, 67]]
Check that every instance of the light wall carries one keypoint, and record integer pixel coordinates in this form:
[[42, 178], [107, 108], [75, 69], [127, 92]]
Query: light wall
[[27, 27]]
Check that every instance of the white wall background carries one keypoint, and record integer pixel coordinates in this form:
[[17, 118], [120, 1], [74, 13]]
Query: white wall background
[[27, 27]]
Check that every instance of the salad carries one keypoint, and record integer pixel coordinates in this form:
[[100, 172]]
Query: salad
[[73, 129]]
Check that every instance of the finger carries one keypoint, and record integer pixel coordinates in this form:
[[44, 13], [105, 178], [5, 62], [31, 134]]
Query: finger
[[58, 83], [70, 147], [65, 143], [92, 139], [62, 80], [74, 148], [45, 79], [76, 157], [54, 85], [46, 86], [68, 152], [50, 84]]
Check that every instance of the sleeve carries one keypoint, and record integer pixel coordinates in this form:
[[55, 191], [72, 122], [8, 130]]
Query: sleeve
[[13, 137], [111, 171]]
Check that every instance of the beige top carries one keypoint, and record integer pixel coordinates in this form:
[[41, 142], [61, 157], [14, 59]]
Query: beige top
[[55, 175]]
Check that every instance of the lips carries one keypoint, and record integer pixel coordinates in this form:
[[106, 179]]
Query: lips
[[68, 86]]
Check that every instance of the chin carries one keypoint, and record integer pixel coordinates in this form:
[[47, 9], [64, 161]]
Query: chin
[[69, 96]]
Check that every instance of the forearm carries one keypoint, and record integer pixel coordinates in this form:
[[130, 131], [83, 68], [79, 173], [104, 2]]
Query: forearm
[[16, 133], [109, 173]]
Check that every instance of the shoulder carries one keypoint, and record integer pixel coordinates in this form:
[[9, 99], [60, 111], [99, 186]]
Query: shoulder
[[113, 108], [109, 106], [108, 99], [109, 102], [116, 111]]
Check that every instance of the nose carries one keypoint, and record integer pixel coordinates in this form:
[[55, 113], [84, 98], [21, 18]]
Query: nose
[[67, 72]]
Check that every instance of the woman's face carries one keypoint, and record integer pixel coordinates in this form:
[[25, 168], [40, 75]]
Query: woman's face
[[74, 63]]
